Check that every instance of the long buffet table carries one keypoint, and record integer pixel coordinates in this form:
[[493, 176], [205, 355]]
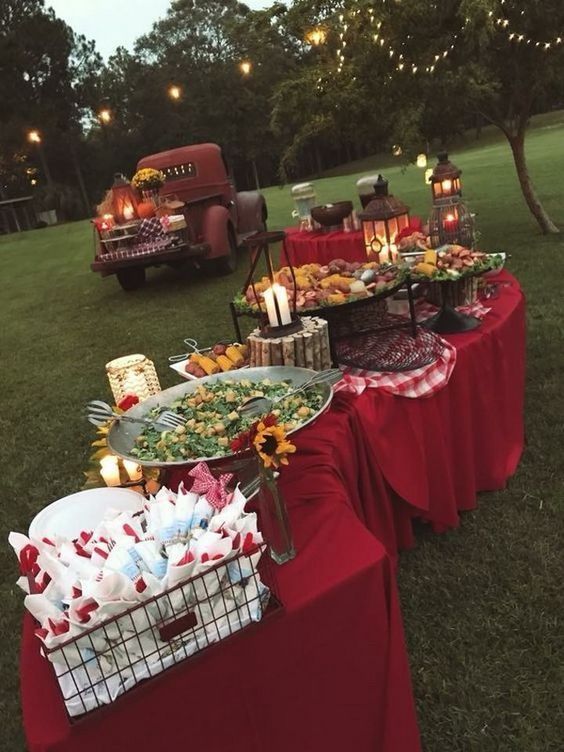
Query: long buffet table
[[330, 672]]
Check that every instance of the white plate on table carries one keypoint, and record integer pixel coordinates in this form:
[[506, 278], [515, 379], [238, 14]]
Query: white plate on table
[[80, 511], [180, 367]]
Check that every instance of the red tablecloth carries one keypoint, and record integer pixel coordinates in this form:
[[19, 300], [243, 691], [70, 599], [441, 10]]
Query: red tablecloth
[[330, 672], [323, 247], [436, 453], [327, 674]]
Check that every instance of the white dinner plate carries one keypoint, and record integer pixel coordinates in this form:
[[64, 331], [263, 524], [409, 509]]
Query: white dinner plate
[[82, 511]]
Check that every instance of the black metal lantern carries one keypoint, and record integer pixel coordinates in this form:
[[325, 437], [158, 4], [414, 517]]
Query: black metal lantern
[[382, 220], [451, 223], [445, 180]]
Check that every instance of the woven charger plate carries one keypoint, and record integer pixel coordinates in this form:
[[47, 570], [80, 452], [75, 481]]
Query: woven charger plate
[[395, 350]]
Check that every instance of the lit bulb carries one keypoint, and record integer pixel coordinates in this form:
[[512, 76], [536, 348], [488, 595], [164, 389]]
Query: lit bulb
[[174, 91], [245, 67], [104, 116]]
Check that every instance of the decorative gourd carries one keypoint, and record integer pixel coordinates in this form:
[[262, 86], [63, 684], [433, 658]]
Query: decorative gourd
[[146, 210]]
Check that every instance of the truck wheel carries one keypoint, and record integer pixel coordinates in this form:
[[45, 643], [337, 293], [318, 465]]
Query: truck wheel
[[228, 263], [131, 279]]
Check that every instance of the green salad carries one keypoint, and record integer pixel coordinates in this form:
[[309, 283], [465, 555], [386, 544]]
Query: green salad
[[212, 420]]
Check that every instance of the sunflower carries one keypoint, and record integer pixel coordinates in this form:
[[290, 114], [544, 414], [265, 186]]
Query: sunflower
[[271, 444]]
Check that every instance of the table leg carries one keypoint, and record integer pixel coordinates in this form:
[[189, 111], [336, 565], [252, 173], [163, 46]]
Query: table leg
[[412, 317], [235, 322]]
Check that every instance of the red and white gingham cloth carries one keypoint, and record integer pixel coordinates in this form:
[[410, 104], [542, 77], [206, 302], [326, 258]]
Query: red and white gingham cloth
[[424, 310], [421, 382]]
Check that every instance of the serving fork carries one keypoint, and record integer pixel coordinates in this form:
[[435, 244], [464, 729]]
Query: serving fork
[[99, 413]]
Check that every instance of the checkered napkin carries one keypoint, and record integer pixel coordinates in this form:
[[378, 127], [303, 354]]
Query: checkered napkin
[[424, 310], [421, 382], [139, 249], [150, 229]]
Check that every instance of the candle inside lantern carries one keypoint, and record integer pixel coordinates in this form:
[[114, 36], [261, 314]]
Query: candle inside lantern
[[107, 222], [133, 470], [450, 223], [109, 470], [128, 212], [277, 306], [389, 254], [447, 186]]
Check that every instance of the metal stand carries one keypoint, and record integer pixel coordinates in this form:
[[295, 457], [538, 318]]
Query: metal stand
[[259, 246], [448, 320]]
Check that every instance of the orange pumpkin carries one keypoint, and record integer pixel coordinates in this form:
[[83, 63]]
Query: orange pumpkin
[[145, 210]]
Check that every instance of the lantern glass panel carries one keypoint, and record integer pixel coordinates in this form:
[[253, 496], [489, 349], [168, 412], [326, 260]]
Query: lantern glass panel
[[124, 202], [133, 374]]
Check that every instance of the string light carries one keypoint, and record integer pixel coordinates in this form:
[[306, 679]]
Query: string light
[[174, 91], [501, 24], [387, 48]]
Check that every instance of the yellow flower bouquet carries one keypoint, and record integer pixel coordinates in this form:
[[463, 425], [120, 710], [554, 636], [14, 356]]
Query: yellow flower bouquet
[[148, 179]]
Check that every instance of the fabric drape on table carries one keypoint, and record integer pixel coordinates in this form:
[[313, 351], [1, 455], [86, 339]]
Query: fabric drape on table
[[323, 247]]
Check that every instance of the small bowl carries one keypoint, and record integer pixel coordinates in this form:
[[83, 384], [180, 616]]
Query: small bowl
[[331, 215]]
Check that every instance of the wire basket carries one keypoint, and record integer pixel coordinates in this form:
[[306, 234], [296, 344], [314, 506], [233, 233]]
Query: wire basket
[[97, 666]]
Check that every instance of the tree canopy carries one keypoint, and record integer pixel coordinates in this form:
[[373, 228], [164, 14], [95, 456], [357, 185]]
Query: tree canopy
[[325, 81]]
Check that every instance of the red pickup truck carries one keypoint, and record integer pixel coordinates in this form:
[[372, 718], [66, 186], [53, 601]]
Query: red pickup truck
[[218, 217]]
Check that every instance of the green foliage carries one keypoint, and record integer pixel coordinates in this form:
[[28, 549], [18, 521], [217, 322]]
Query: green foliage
[[409, 72], [482, 605]]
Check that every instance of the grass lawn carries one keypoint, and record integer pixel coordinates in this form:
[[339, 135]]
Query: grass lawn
[[483, 605]]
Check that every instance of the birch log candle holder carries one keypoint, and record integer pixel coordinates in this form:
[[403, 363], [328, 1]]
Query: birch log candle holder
[[307, 348]]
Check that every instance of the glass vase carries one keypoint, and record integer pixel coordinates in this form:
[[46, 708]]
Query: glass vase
[[274, 521], [151, 195]]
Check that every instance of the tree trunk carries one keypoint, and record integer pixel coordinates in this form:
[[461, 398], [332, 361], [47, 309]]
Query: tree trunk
[[517, 143], [80, 179], [45, 166], [255, 175]]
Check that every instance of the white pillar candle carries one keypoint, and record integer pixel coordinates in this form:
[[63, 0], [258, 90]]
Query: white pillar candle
[[109, 470], [389, 254], [279, 292], [133, 470]]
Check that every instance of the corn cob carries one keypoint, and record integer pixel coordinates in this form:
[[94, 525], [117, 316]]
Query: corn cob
[[209, 365], [224, 362], [233, 354]]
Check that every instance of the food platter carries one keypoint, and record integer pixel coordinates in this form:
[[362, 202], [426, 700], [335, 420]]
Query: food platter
[[322, 289], [451, 263], [122, 436], [182, 366]]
